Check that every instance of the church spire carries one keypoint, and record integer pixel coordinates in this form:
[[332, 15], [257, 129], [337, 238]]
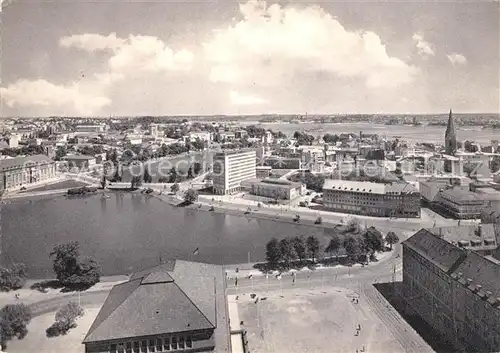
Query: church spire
[[450, 136]]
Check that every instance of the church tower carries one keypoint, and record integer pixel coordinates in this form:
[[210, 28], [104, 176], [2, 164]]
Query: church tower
[[450, 137]]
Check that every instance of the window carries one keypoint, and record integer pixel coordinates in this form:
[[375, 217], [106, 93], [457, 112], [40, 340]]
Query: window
[[166, 344], [181, 342], [113, 348], [136, 347], [174, 342], [129, 347], [121, 348], [144, 346], [151, 345], [189, 342], [159, 345]]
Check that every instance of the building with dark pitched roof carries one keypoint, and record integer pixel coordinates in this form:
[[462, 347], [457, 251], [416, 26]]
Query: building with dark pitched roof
[[177, 306], [454, 290]]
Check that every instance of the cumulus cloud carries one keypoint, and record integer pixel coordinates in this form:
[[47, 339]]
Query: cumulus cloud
[[42, 93], [133, 54], [457, 59], [425, 49], [92, 42], [130, 57], [244, 99], [271, 44]]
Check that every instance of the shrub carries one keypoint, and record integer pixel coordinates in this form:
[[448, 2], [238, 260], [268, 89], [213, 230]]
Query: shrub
[[13, 278], [65, 319], [14, 320]]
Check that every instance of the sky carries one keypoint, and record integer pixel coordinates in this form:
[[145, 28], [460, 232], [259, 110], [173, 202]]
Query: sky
[[126, 58]]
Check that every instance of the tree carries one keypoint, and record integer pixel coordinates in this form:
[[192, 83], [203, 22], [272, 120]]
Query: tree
[[60, 153], [69, 313], [273, 253], [312, 244], [135, 182], [190, 172], [147, 177], [163, 179], [71, 269], [190, 196], [300, 248], [352, 247], [117, 177], [175, 188], [391, 238], [374, 239], [287, 251], [353, 226], [14, 319], [197, 167], [13, 278], [173, 175], [334, 245]]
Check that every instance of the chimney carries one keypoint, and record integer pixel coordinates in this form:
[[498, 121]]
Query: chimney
[[478, 288], [469, 281]]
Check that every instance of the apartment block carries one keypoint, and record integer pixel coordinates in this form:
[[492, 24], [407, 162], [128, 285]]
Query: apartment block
[[231, 168]]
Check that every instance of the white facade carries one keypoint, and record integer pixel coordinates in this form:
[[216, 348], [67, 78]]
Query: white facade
[[14, 141], [90, 128], [231, 168]]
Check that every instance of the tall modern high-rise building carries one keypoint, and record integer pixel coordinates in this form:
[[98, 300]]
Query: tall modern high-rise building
[[231, 168], [450, 137]]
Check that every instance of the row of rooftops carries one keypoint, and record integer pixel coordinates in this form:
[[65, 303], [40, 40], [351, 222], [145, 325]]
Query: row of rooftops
[[478, 273], [19, 162], [395, 188]]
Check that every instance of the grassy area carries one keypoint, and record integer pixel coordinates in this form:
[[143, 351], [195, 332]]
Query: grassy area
[[37, 341], [313, 321]]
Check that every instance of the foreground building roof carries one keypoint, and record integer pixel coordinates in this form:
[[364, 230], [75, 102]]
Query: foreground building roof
[[176, 296]]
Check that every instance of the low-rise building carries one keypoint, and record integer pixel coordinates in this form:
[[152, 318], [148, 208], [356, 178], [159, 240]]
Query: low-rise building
[[91, 128], [460, 203], [21, 171], [80, 162], [282, 163], [177, 306], [277, 189], [372, 199], [454, 290], [263, 172]]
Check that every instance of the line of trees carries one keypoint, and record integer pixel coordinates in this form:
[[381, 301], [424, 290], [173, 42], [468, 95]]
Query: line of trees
[[281, 254], [355, 243]]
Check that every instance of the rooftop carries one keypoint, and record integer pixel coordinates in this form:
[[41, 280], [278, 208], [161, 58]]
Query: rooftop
[[368, 187], [461, 195], [230, 153], [469, 268], [173, 297], [21, 161], [478, 237]]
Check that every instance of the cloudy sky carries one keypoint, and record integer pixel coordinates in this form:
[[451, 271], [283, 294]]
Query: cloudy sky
[[228, 57]]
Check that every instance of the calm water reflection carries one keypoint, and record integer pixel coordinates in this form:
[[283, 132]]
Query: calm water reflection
[[132, 231]]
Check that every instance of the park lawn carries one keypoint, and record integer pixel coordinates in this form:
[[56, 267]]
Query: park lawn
[[313, 321], [37, 341]]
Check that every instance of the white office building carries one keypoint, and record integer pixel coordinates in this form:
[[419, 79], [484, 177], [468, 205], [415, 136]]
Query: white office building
[[231, 168]]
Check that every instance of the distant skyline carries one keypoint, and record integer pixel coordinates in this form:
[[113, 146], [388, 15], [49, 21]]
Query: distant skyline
[[210, 58]]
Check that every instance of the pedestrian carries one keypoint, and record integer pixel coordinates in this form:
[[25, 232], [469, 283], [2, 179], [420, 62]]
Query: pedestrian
[[236, 282]]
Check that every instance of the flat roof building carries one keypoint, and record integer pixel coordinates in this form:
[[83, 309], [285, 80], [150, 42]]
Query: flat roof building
[[277, 189], [230, 168], [460, 203]]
